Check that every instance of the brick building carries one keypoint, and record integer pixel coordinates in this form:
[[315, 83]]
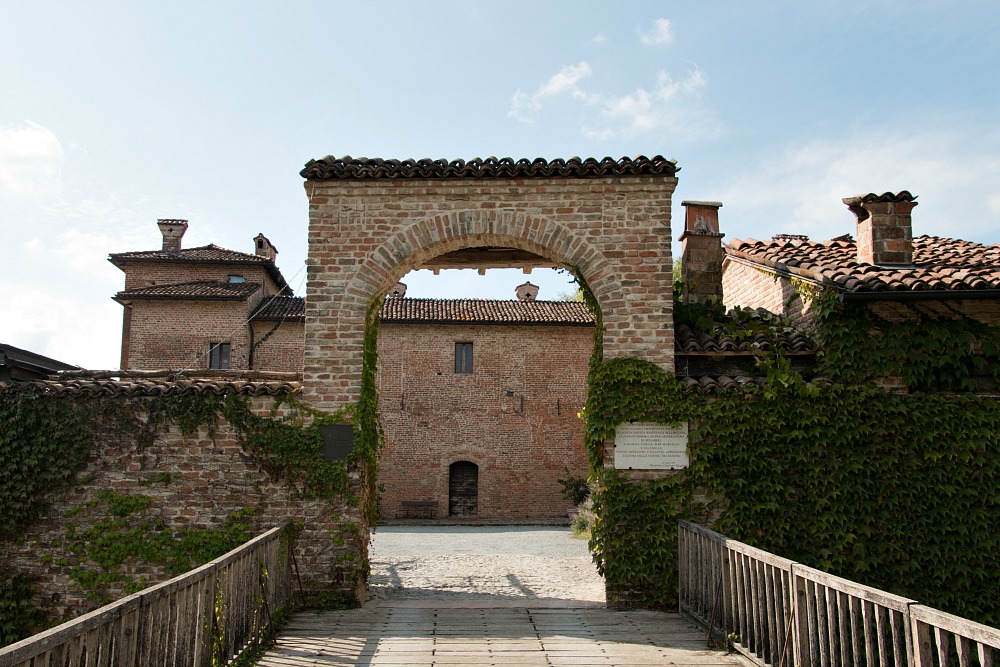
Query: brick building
[[479, 399], [884, 269], [191, 308], [884, 266]]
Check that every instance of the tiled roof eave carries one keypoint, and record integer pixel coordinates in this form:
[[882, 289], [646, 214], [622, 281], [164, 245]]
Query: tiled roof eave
[[278, 318], [122, 258], [782, 269], [348, 168], [178, 297], [939, 294], [97, 387], [740, 353], [547, 323]]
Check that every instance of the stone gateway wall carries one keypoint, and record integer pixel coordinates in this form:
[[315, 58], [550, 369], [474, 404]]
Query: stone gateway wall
[[369, 225]]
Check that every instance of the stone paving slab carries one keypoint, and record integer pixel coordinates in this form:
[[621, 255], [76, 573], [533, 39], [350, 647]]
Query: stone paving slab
[[487, 596], [386, 635]]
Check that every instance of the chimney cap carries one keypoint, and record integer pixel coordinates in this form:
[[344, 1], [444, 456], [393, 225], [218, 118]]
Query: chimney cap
[[526, 292], [398, 291], [172, 230], [708, 204], [902, 195]]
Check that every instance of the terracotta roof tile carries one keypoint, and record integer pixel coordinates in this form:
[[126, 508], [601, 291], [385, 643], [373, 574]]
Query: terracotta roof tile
[[128, 388], [207, 254], [483, 311], [152, 387], [710, 385], [687, 340], [282, 308], [199, 289], [330, 168], [479, 311], [938, 264]]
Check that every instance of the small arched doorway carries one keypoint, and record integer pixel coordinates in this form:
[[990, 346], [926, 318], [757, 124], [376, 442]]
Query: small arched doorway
[[463, 489]]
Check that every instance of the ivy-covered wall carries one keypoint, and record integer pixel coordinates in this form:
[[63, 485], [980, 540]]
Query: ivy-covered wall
[[895, 490], [103, 495]]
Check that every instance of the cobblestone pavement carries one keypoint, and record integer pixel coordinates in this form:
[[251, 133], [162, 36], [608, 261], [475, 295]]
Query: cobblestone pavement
[[483, 565]]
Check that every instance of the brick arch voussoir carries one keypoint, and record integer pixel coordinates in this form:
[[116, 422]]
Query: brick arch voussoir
[[436, 235]]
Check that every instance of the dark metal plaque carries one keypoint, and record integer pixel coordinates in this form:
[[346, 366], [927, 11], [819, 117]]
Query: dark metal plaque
[[338, 441]]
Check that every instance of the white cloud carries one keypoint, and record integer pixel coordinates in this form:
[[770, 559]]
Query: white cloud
[[63, 326], [672, 107], [660, 33], [524, 106], [799, 189], [599, 38], [30, 159]]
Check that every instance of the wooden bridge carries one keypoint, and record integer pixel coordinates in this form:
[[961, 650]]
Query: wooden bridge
[[772, 611]]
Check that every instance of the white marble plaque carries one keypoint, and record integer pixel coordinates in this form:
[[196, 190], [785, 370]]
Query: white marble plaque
[[649, 446]]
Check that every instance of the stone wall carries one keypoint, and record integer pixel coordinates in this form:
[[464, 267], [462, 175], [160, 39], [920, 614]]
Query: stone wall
[[193, 482], [514, 416]]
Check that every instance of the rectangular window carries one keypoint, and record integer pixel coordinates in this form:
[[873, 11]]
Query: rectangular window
[[218, 356], [463, 357]]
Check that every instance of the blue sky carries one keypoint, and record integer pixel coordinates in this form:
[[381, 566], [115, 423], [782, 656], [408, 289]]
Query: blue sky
[[114, 114]]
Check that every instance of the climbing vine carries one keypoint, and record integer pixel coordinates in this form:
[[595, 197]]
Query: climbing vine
[[45, 444], [47, 440], [929, 351], [897, 491], [368, 435], [114, 529]]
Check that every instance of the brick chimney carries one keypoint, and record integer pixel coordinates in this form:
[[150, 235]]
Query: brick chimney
[[885, 230], [526, 292], [172, 231], [701, 252], [263, 248]]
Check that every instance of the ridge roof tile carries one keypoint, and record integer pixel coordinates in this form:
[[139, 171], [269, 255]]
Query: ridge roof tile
[[347, 167]]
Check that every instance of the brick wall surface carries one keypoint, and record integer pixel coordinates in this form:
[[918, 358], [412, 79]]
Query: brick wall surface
[[146, 274], [365, 235], [751, 287], [514, 416], [177, 334], [209, 478], [278, 346]]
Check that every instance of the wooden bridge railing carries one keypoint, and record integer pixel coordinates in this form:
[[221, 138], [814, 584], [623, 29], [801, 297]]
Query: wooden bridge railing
[[780, 613], [210, 614]]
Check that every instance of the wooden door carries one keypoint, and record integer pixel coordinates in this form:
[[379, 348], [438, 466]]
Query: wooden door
[[463, 489]]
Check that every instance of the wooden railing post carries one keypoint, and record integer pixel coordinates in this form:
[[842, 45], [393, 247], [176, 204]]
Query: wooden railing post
[[169, 623]]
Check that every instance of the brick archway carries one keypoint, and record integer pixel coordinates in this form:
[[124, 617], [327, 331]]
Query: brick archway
[[371, 221]]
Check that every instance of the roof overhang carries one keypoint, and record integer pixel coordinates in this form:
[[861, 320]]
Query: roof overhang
[[923, 295]]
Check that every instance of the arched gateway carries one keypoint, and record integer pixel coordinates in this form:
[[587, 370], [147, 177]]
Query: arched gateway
[[371, 221]]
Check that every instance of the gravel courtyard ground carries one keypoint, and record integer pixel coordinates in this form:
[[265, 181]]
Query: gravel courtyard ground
[[483, 566]]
